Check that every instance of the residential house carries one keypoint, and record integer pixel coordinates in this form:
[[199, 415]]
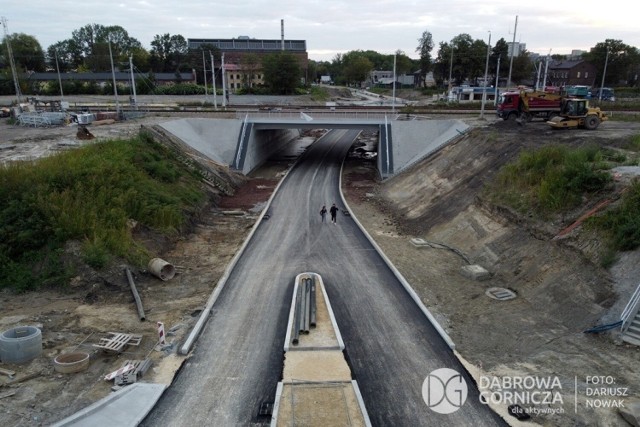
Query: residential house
[[571, 73]]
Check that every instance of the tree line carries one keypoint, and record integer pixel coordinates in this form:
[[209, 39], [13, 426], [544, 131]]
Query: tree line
[[91, 48]]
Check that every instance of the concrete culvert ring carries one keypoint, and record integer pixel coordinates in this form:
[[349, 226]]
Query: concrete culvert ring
[[71, 362], [20, 344]]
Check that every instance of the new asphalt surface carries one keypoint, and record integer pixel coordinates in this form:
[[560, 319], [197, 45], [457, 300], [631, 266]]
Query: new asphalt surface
[[390, 344]]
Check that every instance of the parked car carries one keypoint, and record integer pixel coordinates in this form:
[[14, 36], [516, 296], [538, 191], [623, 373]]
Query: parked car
[[5, 112], [607, 94]]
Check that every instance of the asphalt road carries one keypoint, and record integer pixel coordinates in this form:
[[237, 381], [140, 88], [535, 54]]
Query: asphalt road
[[390, 345]]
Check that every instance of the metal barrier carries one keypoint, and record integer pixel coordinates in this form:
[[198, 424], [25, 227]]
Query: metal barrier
[[320, 115]]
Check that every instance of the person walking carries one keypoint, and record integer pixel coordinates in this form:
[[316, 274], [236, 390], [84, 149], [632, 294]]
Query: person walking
[[334, 213], [323, 212]]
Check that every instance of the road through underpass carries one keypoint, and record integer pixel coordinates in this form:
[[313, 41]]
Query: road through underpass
[[390, 344]]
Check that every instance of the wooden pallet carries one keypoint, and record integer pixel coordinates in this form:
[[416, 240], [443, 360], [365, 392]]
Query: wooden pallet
[[116, 341]]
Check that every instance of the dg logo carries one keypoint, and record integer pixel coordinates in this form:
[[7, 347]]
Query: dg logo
[[444, 391]]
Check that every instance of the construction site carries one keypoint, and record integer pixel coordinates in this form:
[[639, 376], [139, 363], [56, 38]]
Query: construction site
[[513, 292]]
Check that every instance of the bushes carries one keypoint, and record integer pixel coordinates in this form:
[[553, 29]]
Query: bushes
[[553, 179], [89, 194], [622, 223], [179, 89]]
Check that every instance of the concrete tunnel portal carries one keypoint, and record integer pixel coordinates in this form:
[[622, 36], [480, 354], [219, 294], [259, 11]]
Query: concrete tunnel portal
[[244, 144]]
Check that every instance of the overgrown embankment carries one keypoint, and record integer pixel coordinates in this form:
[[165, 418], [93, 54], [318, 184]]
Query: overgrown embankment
[[561, 181], [97, 195]]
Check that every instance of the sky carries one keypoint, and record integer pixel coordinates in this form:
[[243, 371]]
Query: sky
[[333, 26]]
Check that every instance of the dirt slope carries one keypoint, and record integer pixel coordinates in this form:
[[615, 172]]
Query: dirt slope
[[560, 291]]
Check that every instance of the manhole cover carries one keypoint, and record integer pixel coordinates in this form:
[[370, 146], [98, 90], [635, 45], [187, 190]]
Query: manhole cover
[[501, 294]]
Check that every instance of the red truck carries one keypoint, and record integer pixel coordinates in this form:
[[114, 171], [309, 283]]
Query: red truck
[[525, 105]]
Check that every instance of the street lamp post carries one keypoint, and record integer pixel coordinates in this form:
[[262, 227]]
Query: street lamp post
[[604, 73], [486, 72]]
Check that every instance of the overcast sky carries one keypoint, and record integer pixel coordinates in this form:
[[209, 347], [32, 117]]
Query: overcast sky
[[334, 26]]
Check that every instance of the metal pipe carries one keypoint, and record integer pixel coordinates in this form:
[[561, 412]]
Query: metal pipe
[[302, 306], [296, 317], [307, 307], [312, 321], [136, 296]]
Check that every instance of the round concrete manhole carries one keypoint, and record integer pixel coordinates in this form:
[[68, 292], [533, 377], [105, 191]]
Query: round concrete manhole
[[500, 294], [71, 362]]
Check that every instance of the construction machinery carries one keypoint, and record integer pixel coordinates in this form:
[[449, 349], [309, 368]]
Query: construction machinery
[[576, 113], [524, 105]]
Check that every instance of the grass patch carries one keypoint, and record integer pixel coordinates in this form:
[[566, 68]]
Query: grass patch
[[89, 195], [621, 224], [553, 179], [319, 93]]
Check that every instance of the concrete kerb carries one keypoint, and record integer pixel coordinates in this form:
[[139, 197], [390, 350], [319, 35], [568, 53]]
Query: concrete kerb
[[396, 272], [356, 389], [195, 332]]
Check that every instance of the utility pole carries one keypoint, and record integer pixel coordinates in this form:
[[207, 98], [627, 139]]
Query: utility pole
[[133, 83], [546, 68], [495, 97], [486, 72], [55, 53], [113, 74], [204, 71], [213, 77], [604, 73], [393, 105], [14, 73], [224, 84], [513, 49], [450, 71]]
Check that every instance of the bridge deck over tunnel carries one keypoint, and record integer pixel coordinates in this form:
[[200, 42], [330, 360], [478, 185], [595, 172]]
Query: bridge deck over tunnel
[[247, 141]]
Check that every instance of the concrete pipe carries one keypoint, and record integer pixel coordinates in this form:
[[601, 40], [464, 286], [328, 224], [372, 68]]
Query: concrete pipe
[[161, 269], [21, 344], [71, 362]]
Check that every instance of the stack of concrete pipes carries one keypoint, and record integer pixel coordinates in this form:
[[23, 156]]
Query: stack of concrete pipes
[[305, 317]]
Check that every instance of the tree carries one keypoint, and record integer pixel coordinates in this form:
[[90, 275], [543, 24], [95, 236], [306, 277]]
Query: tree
[[249, 64], [68, 54], [623, 60], [168, 52], [281, 72], [27, 52], [425, 46], [92, 41], [404, 64]]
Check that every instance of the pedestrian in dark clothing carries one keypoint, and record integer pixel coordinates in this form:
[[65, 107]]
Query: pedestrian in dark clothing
[[323, 212], [334, 213]]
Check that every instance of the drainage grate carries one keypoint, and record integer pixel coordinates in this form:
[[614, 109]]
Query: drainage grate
[[501, 294], [266, 409]]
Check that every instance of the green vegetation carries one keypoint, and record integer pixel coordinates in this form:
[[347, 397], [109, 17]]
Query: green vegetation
[[319, 93], [91, 195], [621, 224], [179, 89], [553, 179]]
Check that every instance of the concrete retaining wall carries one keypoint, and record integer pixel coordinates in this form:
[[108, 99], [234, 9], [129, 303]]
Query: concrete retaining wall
[[215, 138], [414, 140]]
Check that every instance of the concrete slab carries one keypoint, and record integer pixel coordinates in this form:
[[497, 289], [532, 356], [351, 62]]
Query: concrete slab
[[319, 405], [126, 407], [475, 272], [324, 365]]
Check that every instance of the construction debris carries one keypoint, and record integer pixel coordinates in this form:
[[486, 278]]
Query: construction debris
[[83, 133], [7, 372], [116, 341]]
